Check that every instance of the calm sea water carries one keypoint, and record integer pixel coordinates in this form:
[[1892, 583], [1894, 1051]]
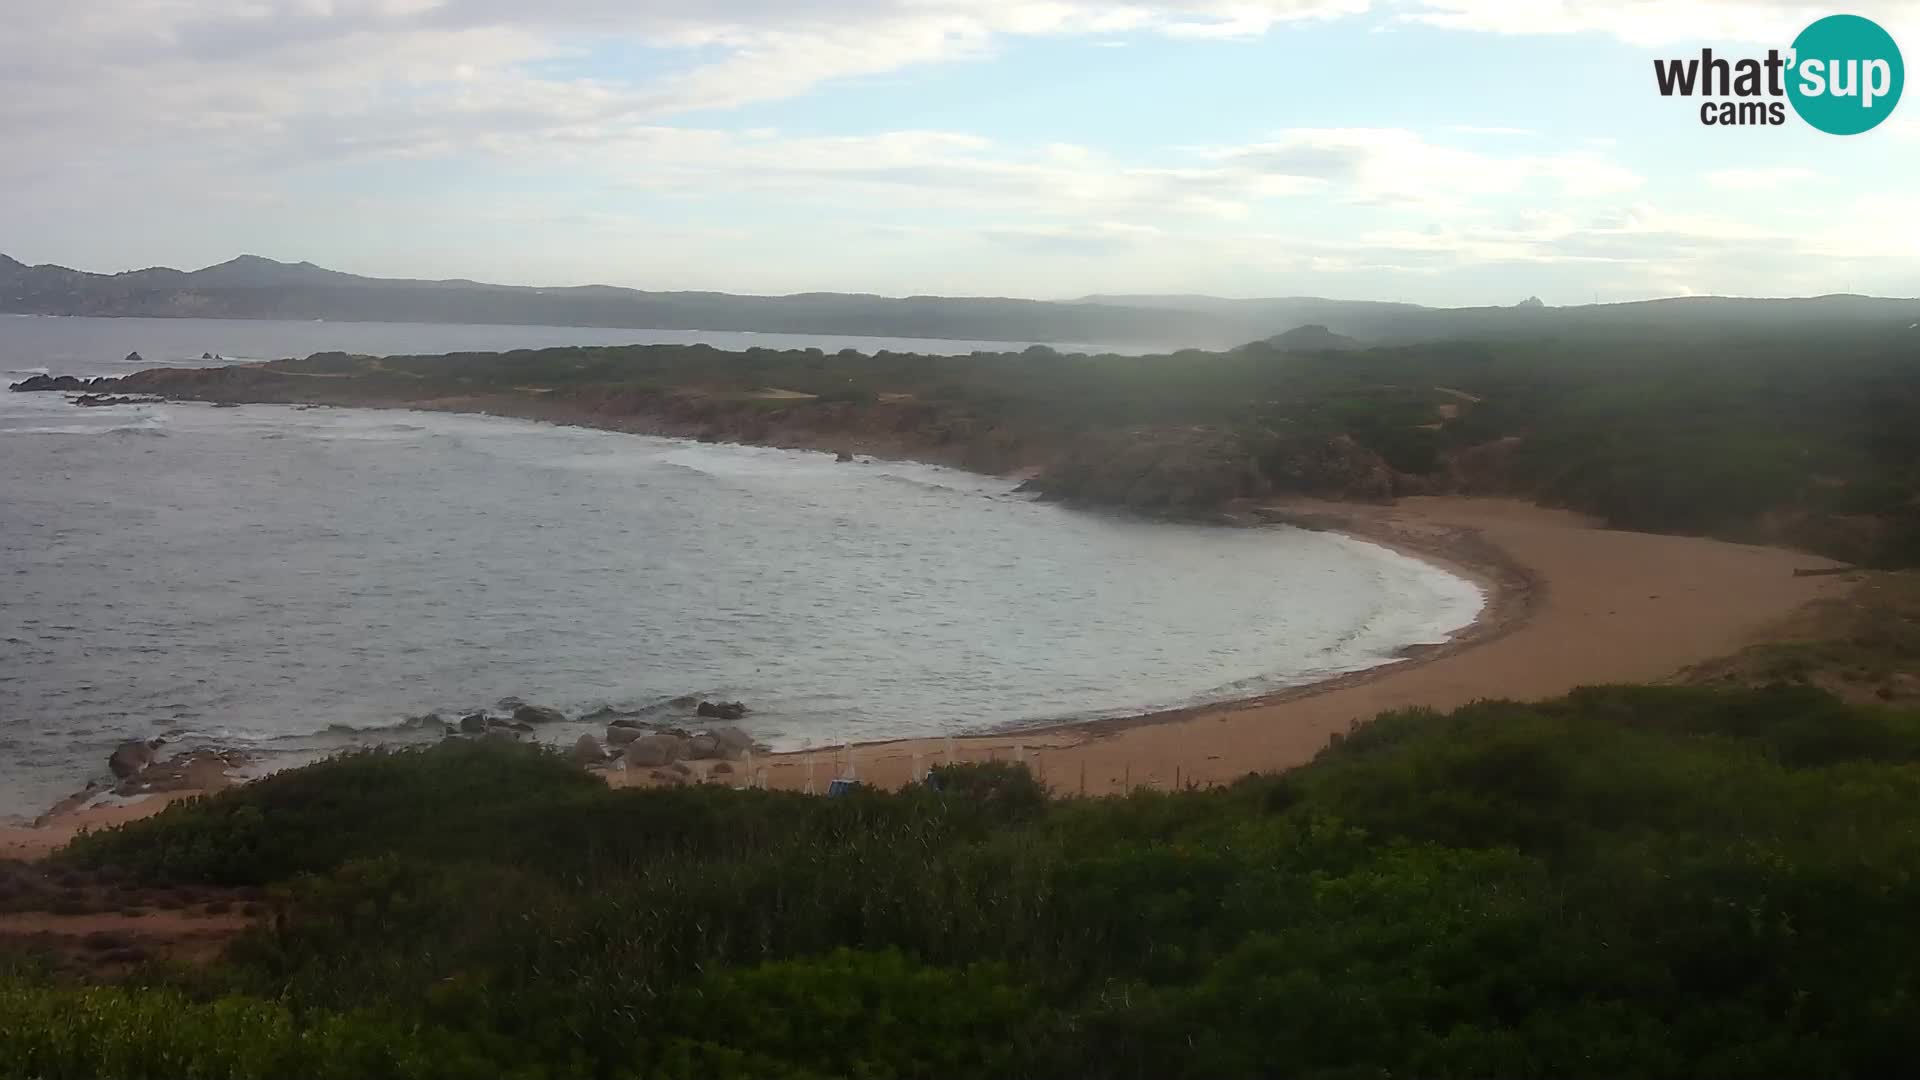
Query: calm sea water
[[293, 581]]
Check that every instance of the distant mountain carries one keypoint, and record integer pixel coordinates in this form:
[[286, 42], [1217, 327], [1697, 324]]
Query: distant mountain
[[251, 287], [1313, 338]]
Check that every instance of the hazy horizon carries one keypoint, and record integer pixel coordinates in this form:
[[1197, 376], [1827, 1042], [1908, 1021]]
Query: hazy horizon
[[1056, 299]]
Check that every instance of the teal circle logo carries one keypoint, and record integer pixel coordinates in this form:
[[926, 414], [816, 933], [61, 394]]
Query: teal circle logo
[[1846, 76]]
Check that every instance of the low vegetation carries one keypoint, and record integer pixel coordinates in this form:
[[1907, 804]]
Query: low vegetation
[[1799, 436], [1629, 881]]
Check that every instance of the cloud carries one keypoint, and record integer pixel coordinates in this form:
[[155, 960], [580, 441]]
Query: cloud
[[1099, 239], [302, 75], [1399, 167], [1757, 179], [592, 118], [1648, 22]]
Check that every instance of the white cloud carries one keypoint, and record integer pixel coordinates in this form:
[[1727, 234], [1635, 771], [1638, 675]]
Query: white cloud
[[194, 114], [1650, 22], [1757, 179], [1398, 167], [287, 70]]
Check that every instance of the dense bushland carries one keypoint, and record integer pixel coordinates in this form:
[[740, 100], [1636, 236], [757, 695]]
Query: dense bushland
[[1623, 882]]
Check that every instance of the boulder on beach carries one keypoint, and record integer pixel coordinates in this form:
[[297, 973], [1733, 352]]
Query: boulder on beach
[[733, 742], [503, 732], [843, 457], [703, 748], [625, 722], [655, 750], [130, 757], [473, 724], [587, 751], [721, 710], [621, 734], [508, 703], [538, 714]]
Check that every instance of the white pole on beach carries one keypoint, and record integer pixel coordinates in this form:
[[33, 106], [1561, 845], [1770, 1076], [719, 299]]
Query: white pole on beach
[[913, 773], [810, 790], [749, 766]]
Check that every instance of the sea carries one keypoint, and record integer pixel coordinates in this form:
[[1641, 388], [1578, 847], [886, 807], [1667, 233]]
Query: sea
[[296, 581]]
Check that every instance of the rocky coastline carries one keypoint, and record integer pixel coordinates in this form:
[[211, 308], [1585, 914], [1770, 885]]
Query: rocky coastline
[[1194, 473]]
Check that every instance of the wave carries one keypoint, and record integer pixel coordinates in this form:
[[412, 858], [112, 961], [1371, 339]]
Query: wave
[[429, 722]]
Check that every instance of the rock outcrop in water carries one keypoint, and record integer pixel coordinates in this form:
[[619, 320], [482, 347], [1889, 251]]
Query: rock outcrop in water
[[41, 383], [538, 714], [130, 757]]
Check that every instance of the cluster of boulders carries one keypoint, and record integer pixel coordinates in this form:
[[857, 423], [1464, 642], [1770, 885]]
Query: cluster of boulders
[[138, 768], [629, 741], [639, 746], [520, 719]]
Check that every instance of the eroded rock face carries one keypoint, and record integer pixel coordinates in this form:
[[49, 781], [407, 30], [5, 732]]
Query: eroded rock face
[[1333, 466], [1178, 471]]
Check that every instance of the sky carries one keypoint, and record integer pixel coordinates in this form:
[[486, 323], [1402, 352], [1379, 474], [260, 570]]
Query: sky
[[1449, 152]]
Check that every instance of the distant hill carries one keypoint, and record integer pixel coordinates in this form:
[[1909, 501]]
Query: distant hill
[[1312, 338], [251, 287]]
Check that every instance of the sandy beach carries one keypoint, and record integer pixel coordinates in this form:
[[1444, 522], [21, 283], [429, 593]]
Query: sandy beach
[[1568, 604]]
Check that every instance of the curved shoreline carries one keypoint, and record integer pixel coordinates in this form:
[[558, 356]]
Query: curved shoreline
[[1579, 608], [1511, 594], [1517, 591]]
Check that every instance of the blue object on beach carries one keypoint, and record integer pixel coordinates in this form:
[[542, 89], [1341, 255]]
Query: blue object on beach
[[841, 787]]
